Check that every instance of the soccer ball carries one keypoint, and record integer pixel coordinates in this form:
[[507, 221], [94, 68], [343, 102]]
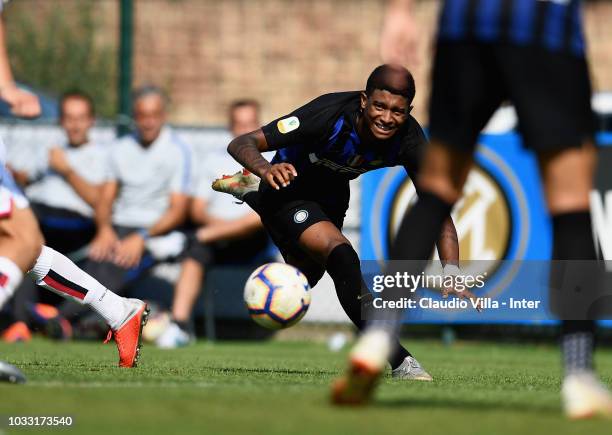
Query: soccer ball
[[277, 295]]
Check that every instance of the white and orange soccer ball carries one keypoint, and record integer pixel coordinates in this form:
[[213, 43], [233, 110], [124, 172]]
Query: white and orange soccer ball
[[277, 295]]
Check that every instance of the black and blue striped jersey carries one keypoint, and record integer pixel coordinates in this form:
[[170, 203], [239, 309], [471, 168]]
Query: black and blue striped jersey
[[323, 134], [320, 140], [555, 25]]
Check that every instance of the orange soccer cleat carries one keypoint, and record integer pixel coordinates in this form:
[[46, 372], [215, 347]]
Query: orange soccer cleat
[[366, 364], [357, 386], [128, 335]]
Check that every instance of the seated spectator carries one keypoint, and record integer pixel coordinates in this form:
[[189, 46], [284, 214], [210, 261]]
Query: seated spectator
[[227, 233], [145, 196], [63, 190]]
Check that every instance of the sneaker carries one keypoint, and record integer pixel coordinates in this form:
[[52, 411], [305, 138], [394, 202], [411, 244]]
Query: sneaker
[[127, 336], [173, 337], [10, 373], [158, 323], [17, 332], [584, 396], [237, 185], [367, 362], [410, 369]]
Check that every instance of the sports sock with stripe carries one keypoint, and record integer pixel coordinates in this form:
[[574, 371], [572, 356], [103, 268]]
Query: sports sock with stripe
[[57, 273], [10, 278]]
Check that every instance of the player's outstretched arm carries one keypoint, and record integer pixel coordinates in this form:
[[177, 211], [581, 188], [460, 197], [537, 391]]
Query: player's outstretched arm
[[247, 149], [448, 250], [448, 243]]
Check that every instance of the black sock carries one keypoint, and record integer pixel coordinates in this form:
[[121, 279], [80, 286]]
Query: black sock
[[345, 270], [573, 240], [420, 228]]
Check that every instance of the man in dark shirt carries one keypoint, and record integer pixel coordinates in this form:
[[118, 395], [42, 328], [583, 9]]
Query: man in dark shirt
[[305, 194]]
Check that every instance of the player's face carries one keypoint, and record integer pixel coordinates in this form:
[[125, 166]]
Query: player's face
[[76, 120], [150, 116], [245, 119], [384, 113]]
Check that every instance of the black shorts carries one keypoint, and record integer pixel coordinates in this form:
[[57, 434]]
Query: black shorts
[[550, 91], [286, 217]]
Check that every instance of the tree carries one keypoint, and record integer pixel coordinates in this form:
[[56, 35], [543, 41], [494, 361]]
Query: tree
[[55, 49]]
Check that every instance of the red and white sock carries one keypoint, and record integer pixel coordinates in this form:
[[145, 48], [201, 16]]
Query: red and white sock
[[59, 274], [10, 278]]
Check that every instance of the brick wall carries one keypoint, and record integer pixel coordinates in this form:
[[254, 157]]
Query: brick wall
[[282, 52], [285, 52]]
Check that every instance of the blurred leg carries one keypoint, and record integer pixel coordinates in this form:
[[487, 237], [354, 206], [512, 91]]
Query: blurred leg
[[187, 290], [568, 180]]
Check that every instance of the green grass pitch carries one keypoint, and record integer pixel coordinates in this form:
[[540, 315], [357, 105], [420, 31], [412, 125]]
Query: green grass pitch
[[282, 388]]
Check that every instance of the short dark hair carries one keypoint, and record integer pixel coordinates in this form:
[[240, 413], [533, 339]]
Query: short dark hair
[[244, 102], [79, 95], [393, 78]]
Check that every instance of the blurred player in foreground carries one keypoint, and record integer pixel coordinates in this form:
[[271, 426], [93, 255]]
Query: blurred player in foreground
[[532, 53], [305, 191], [22, 249]]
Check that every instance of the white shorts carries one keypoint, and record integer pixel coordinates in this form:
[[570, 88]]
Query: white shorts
[[10, 194]]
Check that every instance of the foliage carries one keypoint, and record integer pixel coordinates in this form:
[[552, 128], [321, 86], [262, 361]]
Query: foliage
[[55, 49]]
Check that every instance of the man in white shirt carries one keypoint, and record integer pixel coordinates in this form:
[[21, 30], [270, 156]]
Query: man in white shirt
[[227, 233], [65, 187], [145, 194]]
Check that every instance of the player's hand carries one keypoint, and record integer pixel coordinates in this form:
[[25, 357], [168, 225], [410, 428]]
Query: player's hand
[[58, 161], [279, 175], [129, 251], [23, 103], [454, 271], [103, 245], [463, 294]]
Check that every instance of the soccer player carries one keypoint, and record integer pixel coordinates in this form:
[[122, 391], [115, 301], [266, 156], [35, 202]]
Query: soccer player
[[533, 53], [305, 191], [22, 249]]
